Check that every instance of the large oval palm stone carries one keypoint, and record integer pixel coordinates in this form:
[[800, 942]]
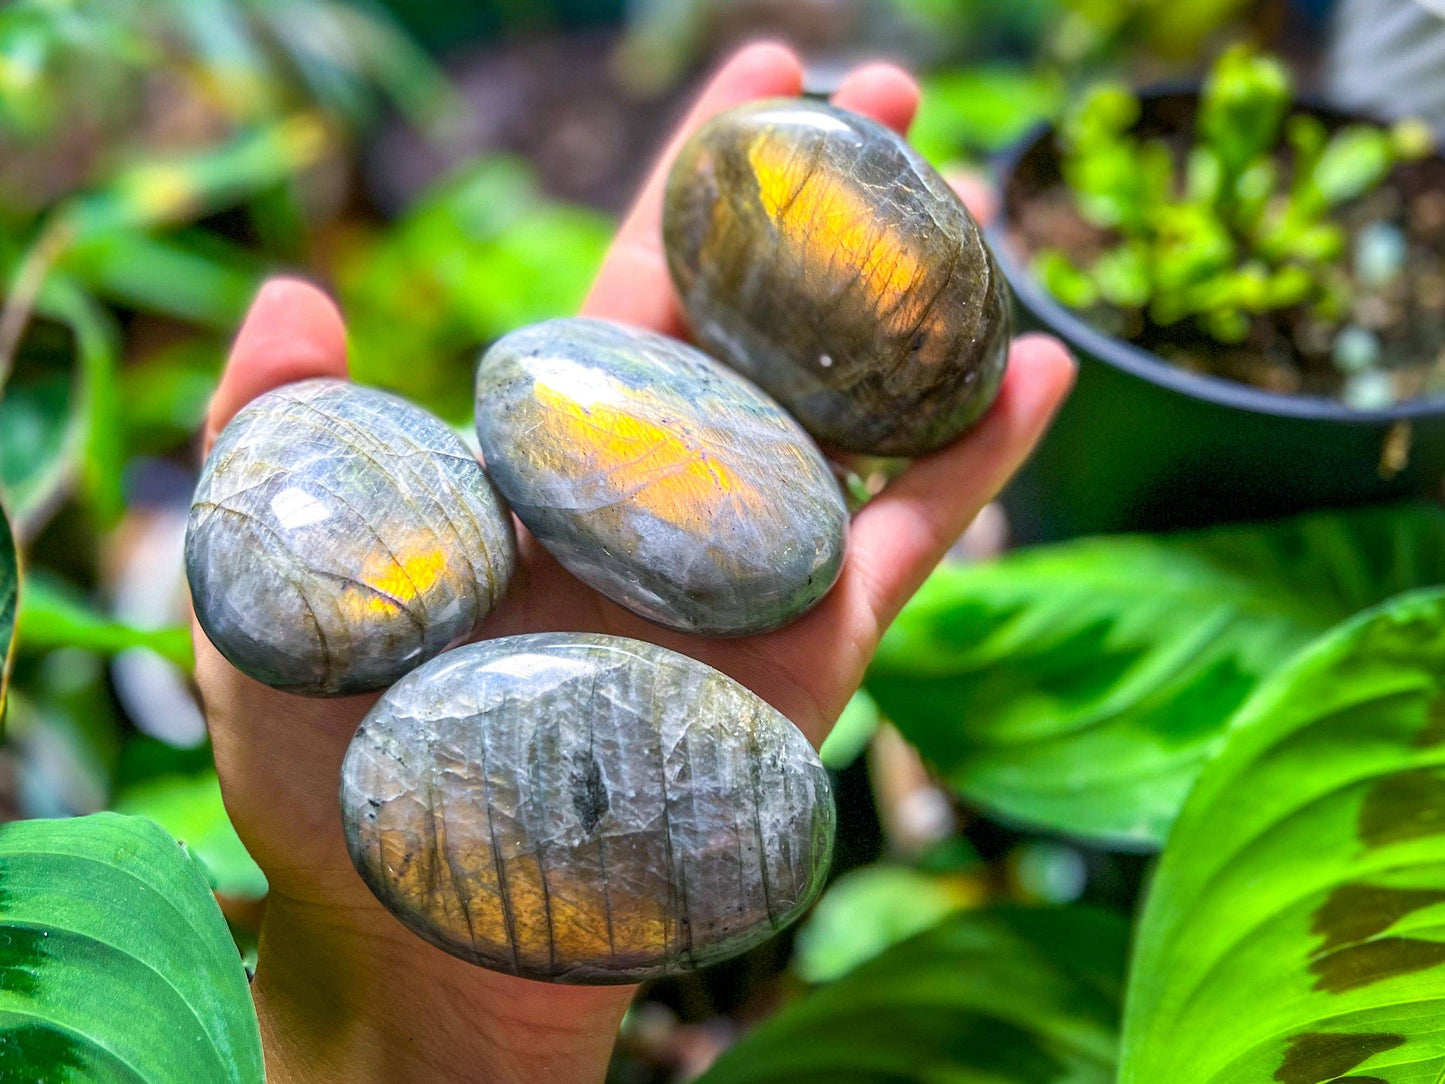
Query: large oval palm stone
[[817, 253], [584, 809], [660, 477], [339, 537]]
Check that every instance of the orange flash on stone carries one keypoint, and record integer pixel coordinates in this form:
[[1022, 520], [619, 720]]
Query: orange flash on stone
[[832, 224], [659, 469]]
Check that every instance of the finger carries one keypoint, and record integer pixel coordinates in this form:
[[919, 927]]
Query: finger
[[292, 332], [884, 92], [900, 536], [633, 284], [980, 197]]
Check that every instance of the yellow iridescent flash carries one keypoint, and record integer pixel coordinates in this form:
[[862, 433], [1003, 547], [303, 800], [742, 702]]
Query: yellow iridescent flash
[[832, 225], [659, 469], [389, 581]]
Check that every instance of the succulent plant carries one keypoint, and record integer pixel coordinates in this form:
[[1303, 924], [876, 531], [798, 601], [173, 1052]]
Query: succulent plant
[[1239, 226]]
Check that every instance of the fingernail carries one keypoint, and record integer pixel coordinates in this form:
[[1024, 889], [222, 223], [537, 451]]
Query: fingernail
[[1035, 340], [277, 292]]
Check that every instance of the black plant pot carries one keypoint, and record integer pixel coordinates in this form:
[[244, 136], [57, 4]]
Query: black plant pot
[[1143, 445]]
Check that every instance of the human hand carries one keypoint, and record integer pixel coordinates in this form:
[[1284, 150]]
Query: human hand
[[343, 990]]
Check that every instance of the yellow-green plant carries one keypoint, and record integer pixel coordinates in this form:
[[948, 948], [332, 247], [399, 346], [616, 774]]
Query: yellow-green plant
[[1241, 225]]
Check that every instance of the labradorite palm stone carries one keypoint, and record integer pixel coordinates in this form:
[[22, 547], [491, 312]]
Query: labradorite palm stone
[[819, 254], [660, 477], [339, 537], [584, 809]]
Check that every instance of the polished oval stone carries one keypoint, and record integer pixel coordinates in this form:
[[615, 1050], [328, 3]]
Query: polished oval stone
[[659, 477], [584, 809], [339, 537], [817, 253]]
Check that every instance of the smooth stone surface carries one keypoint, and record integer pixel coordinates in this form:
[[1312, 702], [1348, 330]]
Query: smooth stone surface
[[817, 253], [339, 537], [659, 477], [585, 809]]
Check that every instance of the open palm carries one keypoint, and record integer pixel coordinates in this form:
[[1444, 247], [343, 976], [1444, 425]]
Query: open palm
[[344, 991]]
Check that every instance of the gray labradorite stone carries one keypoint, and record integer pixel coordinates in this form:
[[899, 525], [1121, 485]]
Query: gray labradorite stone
[[817, 253], [339, 537], [659, 477], [584, 809]]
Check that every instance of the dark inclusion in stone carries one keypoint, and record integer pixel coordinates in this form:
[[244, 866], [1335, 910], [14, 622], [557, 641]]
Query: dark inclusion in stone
[[584, 809], [815, 251], [660, 477], [339, 537]]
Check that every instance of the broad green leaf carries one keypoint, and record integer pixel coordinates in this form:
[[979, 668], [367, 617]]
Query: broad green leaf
[[52, 617], [867, 910], [1006, 996], [9, 595], [1295, 930], [115, 963], [190, 808], [1081, 686]]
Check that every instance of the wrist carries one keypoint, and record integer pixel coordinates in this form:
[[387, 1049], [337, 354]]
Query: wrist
[[349, 994]]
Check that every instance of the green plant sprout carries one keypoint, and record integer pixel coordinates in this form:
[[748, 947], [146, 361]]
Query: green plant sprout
[[1239, 226]]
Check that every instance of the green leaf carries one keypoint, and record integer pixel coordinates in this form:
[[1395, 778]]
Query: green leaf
[[1007, 996], [1295, 931], [184, 187], [1243, 107], [1180, 28], [96, 420], [60, 418], [1065, 280], [115, 962], [867, 910], [191, 276], [1354, 161], [851, 733], [1122, 276], [482, 253], [166, 394], [9, 594], [978, 109], [1080, 687], [36, 446], [190, 808], [51, 616]]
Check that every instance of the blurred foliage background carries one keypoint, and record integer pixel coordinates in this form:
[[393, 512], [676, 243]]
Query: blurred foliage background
[[452, 172]]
